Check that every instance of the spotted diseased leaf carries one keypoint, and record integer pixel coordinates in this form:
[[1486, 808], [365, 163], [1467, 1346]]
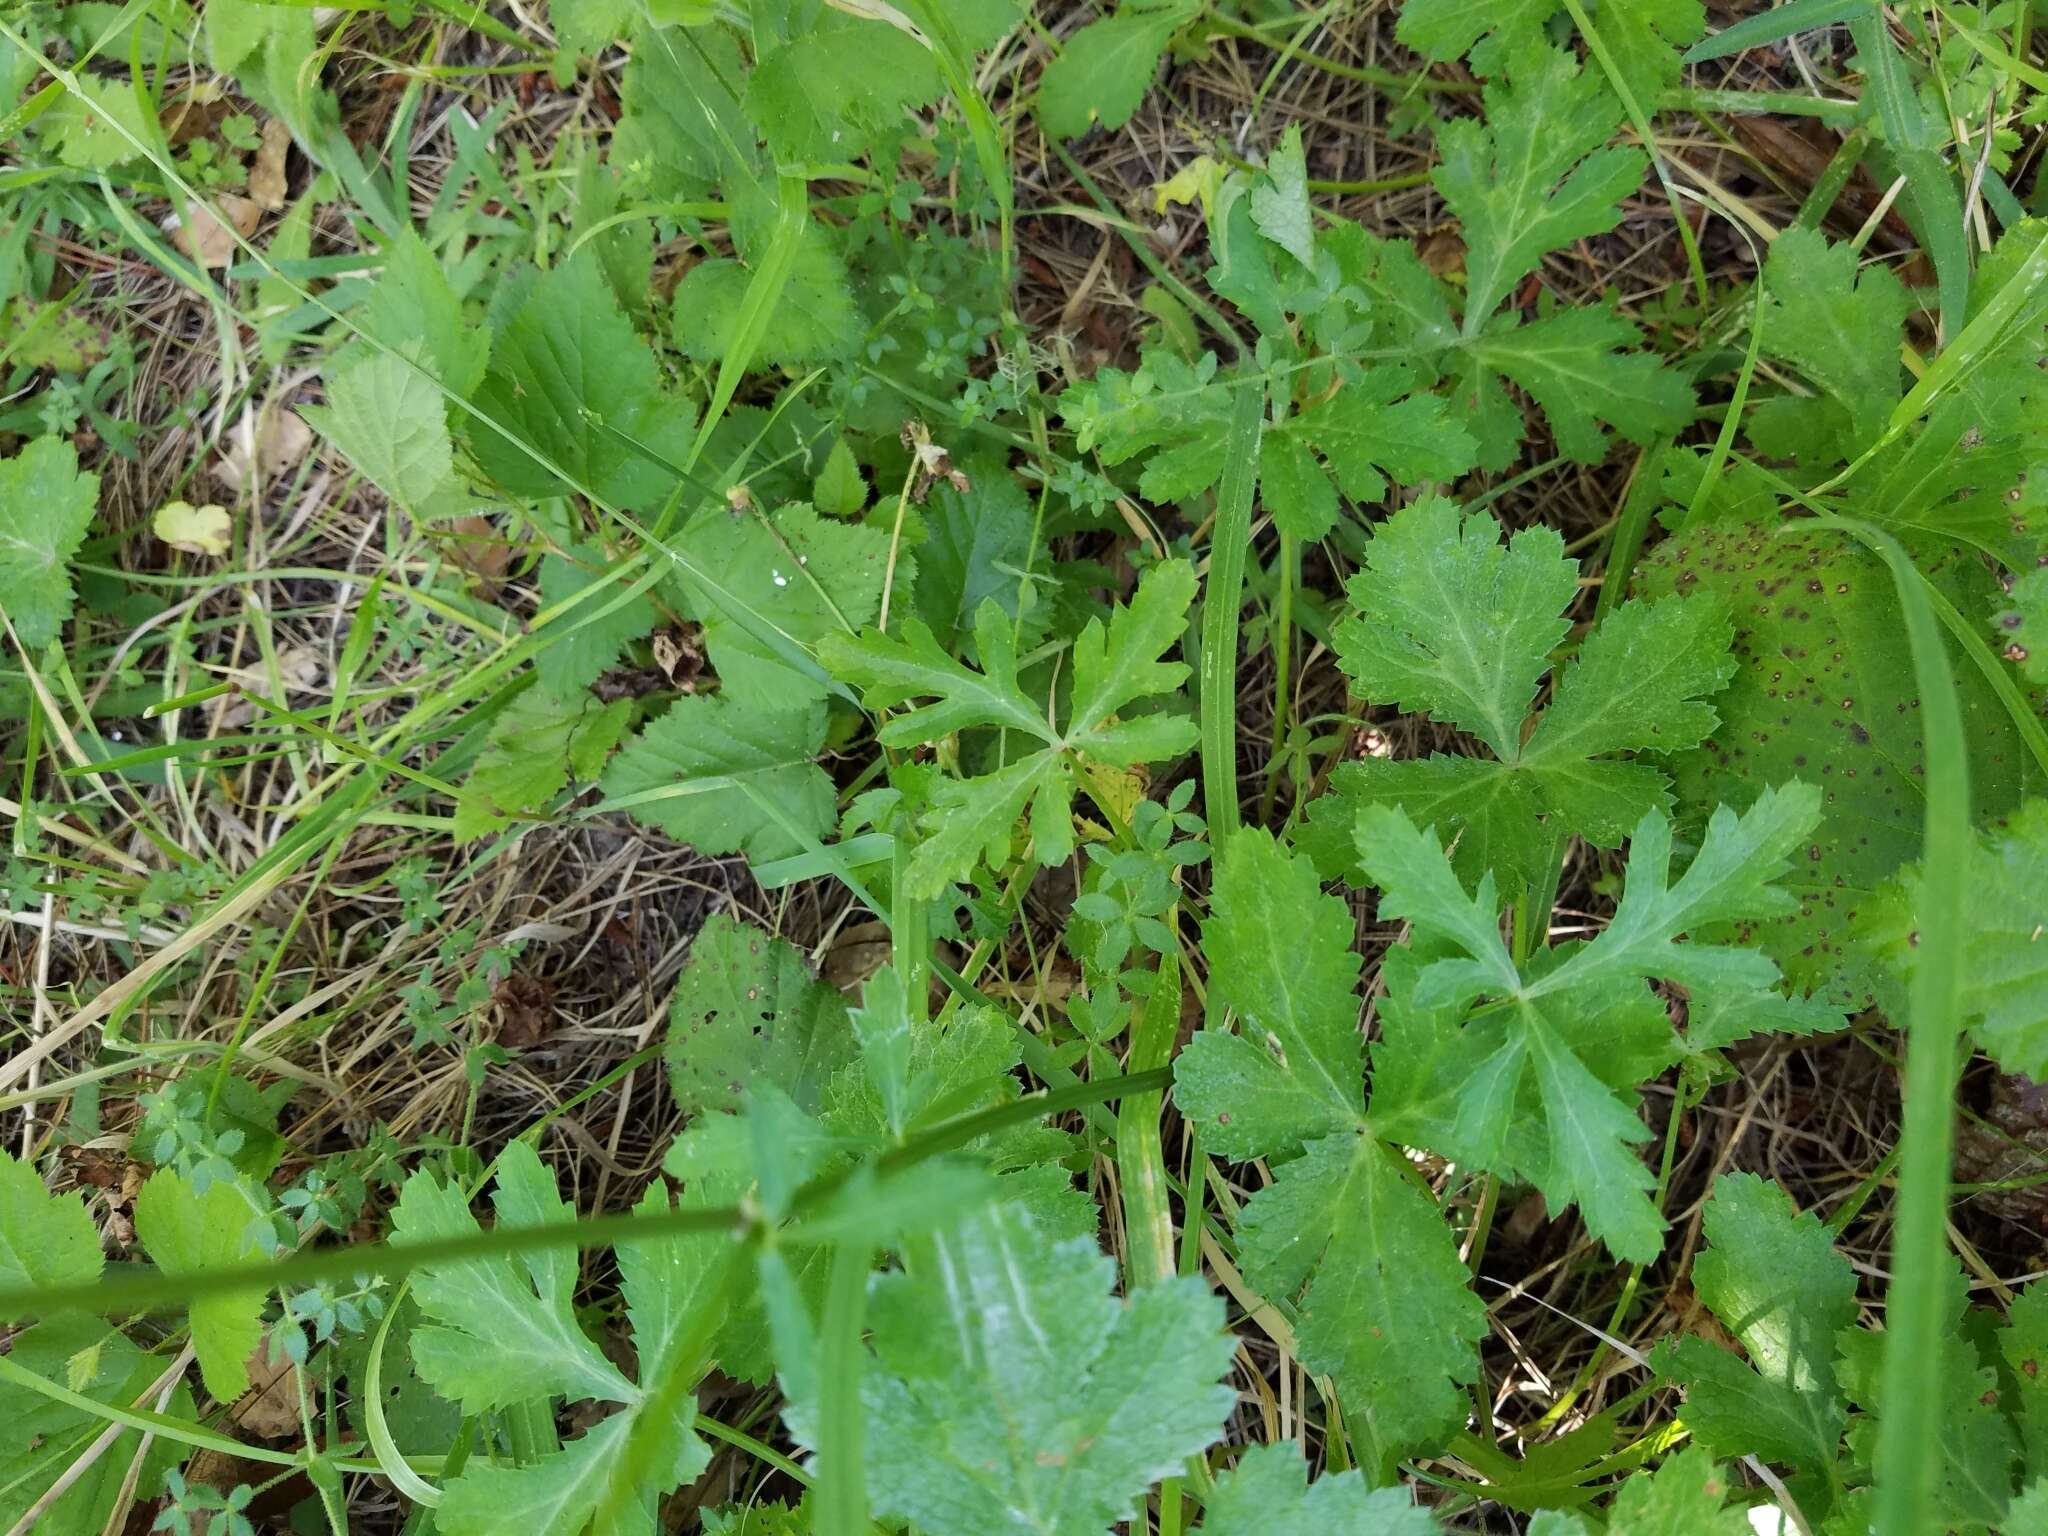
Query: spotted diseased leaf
[[747, 1009], [1011, 1389], [1384, 1302], [1772, 1278], [1115, 667], [2020, 627], [1452, 622], [46, 505], [1824, 691], [728, 776]]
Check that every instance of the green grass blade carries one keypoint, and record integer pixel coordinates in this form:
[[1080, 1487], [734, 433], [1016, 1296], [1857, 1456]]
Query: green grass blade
[[1229, 542], [1910, 1438], [1930, 189]]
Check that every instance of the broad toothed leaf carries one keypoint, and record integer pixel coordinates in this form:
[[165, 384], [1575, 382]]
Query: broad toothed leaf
[[187, 1232], [45, 1239], [45, 507], [1010, 1390], [728, 776], [1268, 1493], [1772, 1277], [748, 1009], [1642, 37]]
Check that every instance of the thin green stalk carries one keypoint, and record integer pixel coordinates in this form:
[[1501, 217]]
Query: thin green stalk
[[1229, 542], [1140, 1157], [839, 1498], [117, 1294], [1910, 1434], [1283, 644]]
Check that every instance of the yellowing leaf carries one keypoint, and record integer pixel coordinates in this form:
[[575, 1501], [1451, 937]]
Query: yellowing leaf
[[196, 530]]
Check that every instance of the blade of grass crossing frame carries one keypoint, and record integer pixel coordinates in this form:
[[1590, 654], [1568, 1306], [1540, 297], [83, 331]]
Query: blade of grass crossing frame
[[1910, 1438], [840, 1496], [1930, 189], [1640, 121], [1229, 542]]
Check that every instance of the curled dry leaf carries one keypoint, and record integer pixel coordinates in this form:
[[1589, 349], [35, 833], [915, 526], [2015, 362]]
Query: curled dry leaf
[[267, 441], [267, 183], [211, 241]]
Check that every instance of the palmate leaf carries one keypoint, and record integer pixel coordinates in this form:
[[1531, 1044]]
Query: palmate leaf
[[45, 507], [1268, 1494], [1539, 1082], [1372, 430], [1840, 328], [1114, 667], [1643, 37], [1011, 1390], [502, 1330], [1385, 1304], [1534, 175], [1772, 1278], [1452, 622]]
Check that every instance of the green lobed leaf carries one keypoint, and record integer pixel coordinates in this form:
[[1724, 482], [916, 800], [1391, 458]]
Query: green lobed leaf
[[1280, 958], [186, 1232], [1268, 1493], [1838, 326], [536, 747], [1455, 623], [1105, 68], [1010, 1389], [1533, 174], [1386, 1306], [45, 1239], [1642, 37], [46, 505], [1772, 1277], [2005, 959]]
